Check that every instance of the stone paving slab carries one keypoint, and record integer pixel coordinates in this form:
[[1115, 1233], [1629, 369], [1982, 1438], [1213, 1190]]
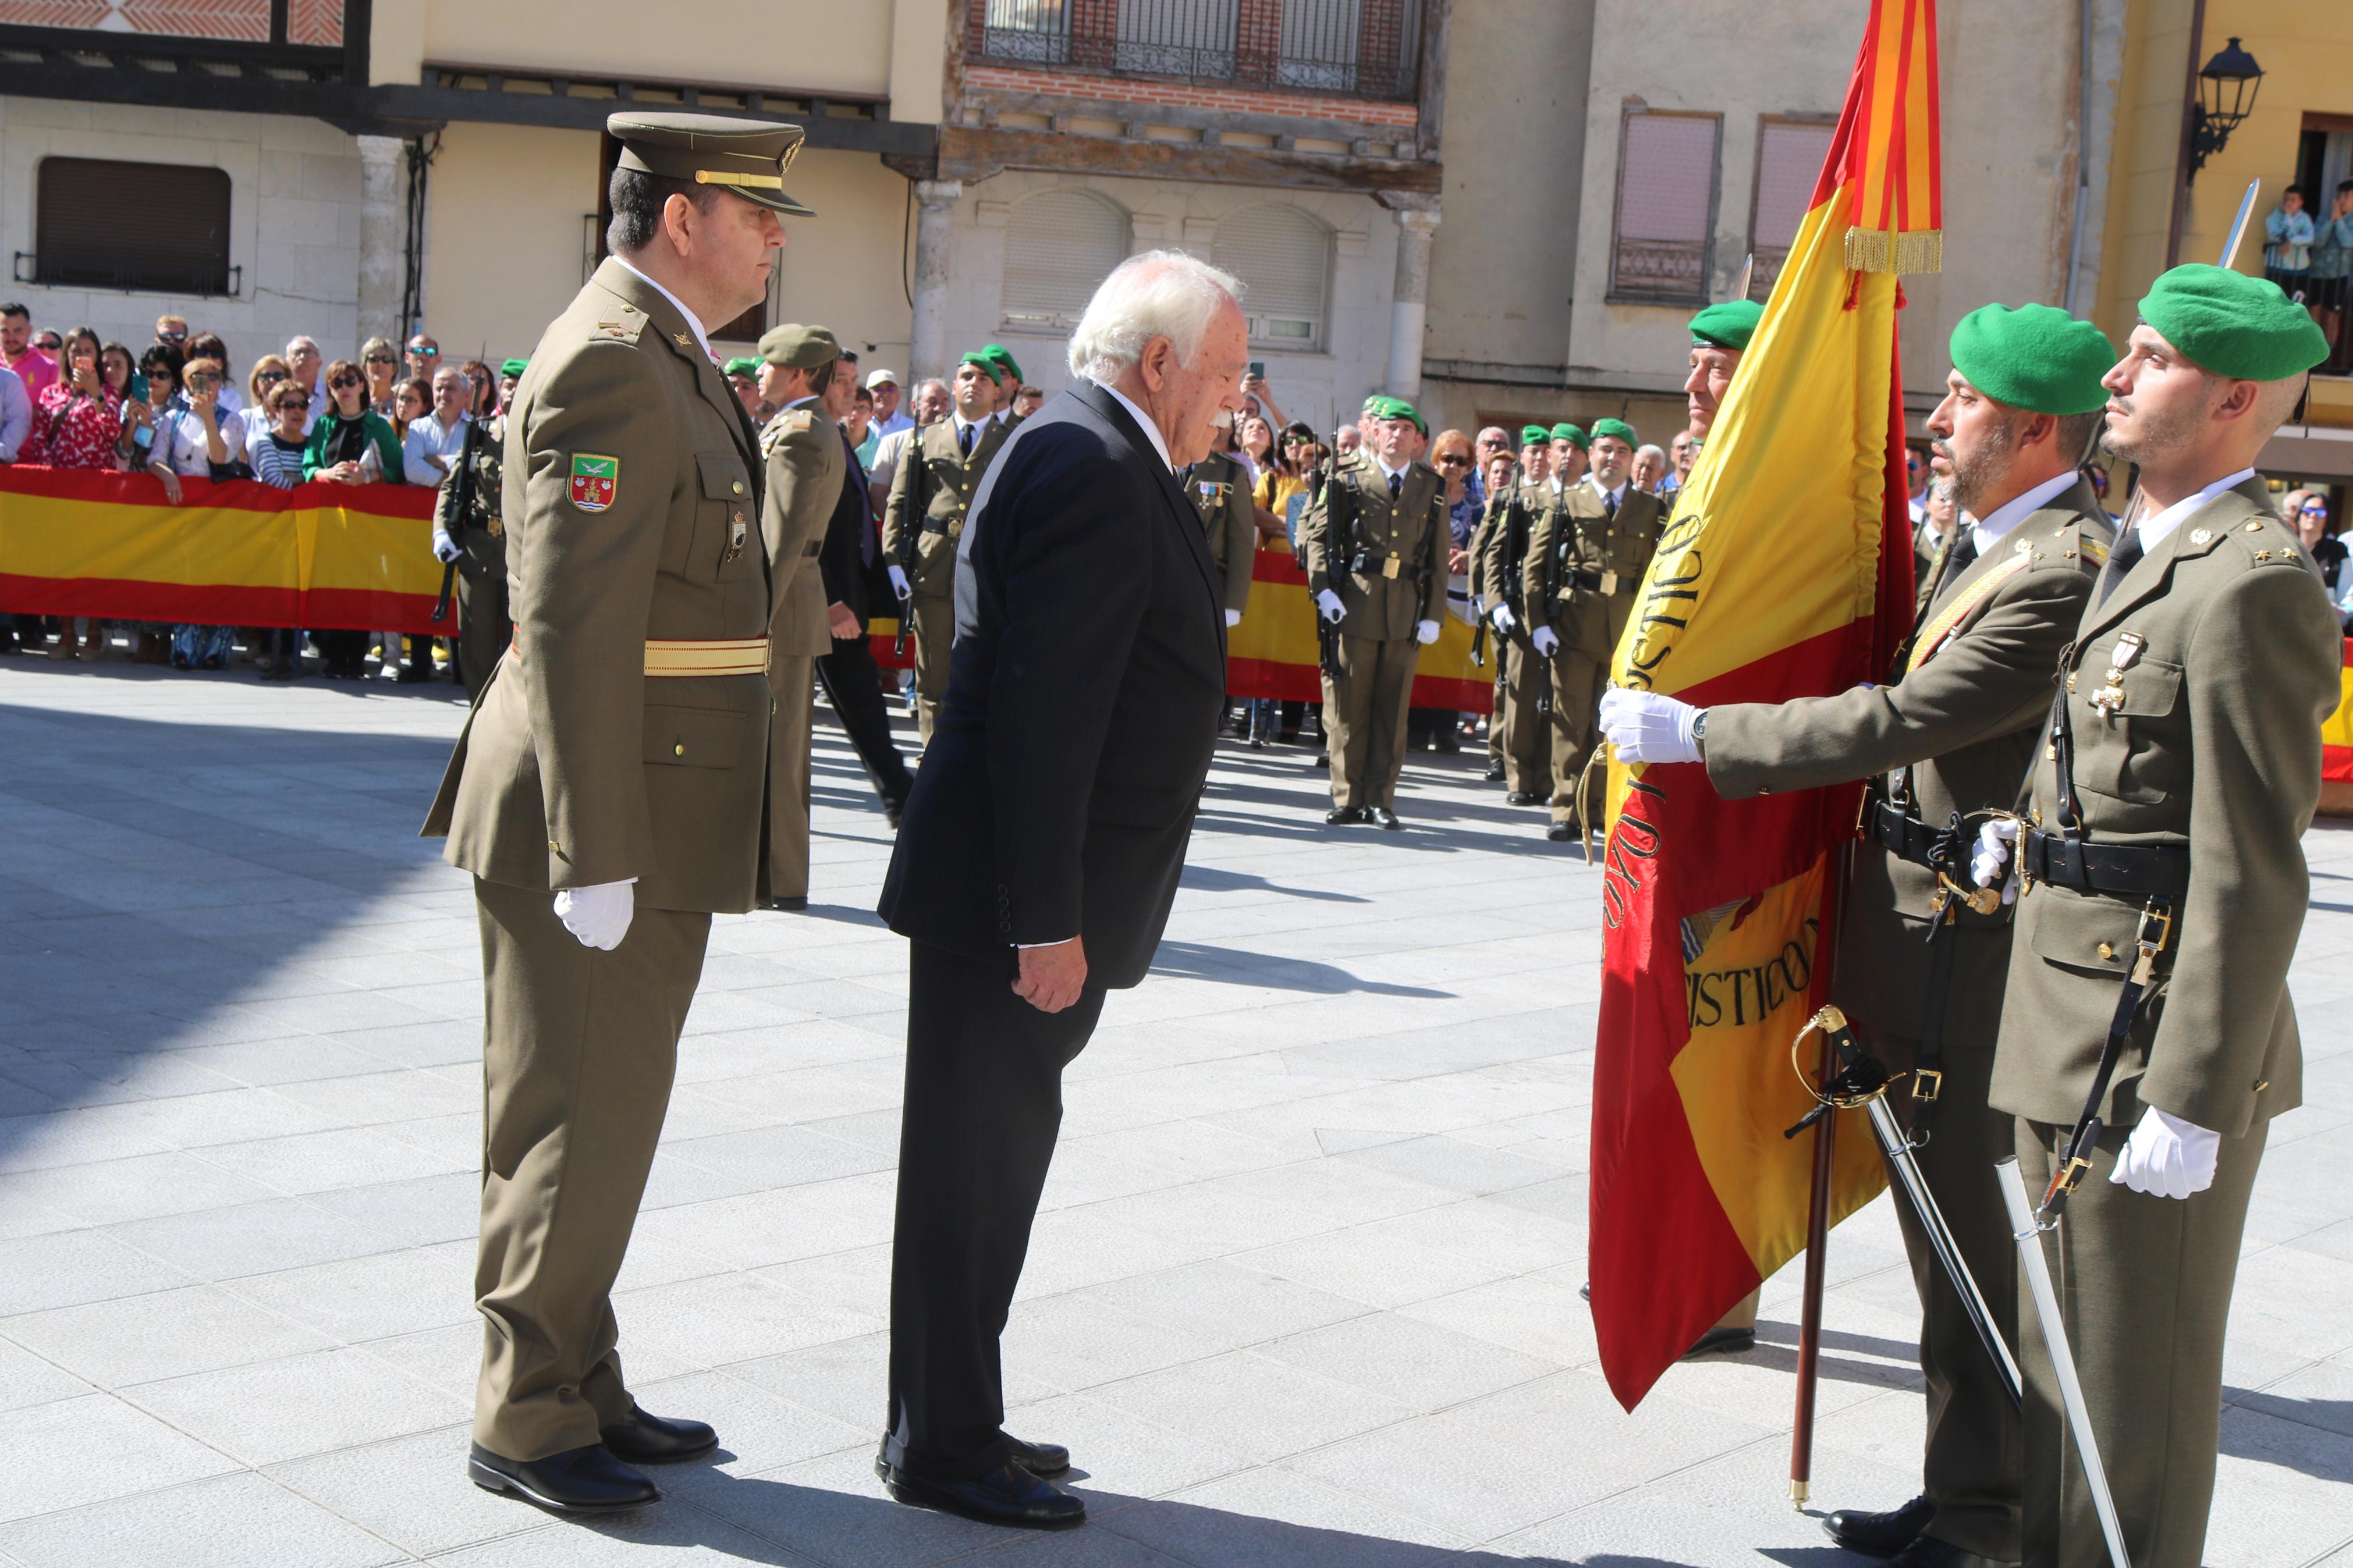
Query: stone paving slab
[[1302, 1289]]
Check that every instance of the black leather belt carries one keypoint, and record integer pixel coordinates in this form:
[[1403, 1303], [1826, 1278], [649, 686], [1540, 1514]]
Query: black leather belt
[[1900, 834], [1373, 563], [2129, 871], [939, 524], [1590, 580]]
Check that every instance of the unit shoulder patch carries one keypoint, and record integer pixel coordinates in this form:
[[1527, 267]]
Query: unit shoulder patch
[[595, 480]]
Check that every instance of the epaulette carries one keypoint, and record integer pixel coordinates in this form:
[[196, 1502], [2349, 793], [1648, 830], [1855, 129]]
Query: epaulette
[[2073, 545], [622, 326], [791, 422], [2254, 540]]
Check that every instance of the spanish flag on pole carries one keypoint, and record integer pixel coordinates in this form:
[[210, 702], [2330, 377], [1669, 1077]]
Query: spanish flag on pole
[[1785, 571]]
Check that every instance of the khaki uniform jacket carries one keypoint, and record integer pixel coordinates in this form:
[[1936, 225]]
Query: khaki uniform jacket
[[576, 768], [1502, 555], [481, 457], [1404, 543], [1617, 550], [934, 485], [1220, 490], [2214, 746], [801, 452], [1962, 724]]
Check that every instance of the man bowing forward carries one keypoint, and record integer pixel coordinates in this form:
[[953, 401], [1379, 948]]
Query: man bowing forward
[[1042, 847]]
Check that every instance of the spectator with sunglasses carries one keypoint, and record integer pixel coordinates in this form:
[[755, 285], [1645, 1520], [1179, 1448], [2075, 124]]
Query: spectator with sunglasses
[[380, 362], [2306, 512], [208, 345], [268, 374], [424, 358], [205, 382], [351, 446]]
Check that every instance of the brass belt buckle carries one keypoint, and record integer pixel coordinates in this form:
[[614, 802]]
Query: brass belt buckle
[[1389, 568], [1608, 582], [2145, 961], [2069, 1175], [1927, 1083]]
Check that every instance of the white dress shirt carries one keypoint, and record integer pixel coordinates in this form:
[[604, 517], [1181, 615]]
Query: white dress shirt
[[2013, 511], [1615, 497], [427, 439], [1159, 442], [692, 321], [2154, 530], [897, 421]]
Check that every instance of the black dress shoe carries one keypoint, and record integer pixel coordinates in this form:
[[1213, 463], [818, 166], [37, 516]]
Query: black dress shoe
[[1930, 1553], [1382, 816], [1523, 797], [1722, 1340], [646, 1439], [1010, 1495], [790, 904], [1345, 816], [1561, 832], [1323, 758], [1041, 1460], [577, 1480], [1879, 1534], [1495, 773]]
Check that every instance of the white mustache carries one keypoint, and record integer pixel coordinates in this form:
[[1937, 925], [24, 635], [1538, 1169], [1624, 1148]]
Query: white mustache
[[1224, 420]]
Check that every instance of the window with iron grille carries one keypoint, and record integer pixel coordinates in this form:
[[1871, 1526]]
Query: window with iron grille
[[1319, 44], [1662, 238], [1789, 154], [1037, 31], [1059, 246], [159, 229], [1284, 259], [1176, 37]]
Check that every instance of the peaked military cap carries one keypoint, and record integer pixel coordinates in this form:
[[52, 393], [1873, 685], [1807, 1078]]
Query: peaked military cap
[[1565, 431], [748, 157], [2233, 324], [2037, 357], [1727, 324], [795, 347], [1617, 428]]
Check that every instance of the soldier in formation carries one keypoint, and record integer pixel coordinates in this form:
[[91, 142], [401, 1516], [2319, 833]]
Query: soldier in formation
[[1523, 719], [468, 531]]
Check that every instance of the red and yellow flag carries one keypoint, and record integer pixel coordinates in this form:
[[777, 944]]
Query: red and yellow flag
[[1785, 571]]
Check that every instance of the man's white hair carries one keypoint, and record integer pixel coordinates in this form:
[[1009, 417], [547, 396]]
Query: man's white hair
[[1157, 294]]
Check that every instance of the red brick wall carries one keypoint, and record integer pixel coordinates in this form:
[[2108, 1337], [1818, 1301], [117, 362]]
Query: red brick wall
[[1145, 90]]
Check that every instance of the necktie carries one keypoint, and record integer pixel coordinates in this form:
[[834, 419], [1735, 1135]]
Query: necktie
[[2121, 559], [1609, 507], [963, 439], [1396, 484]]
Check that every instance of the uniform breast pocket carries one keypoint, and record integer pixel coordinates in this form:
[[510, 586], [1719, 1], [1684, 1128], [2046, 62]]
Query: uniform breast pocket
[[723, 518], [692, 737], [2131, 737]]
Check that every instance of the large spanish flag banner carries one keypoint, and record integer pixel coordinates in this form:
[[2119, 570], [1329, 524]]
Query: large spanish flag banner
[[1784, 572], [320, 556], [2337, 735]]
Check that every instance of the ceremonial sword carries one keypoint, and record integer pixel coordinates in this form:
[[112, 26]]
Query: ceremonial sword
[[2238, 224]]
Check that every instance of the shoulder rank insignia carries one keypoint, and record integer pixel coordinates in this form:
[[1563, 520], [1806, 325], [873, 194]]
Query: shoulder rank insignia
[[683, 340], [596, 480]]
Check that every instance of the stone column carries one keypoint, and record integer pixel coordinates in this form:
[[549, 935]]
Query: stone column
[[927, 351], [1410, 304], [384, 237]]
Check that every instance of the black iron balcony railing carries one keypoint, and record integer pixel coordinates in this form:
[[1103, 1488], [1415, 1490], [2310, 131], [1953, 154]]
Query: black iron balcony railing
[[1366, 48]]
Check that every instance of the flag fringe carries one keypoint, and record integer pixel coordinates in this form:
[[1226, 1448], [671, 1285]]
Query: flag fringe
[[1883, 250]]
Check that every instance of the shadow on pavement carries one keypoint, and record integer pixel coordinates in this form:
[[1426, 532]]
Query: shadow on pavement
[[2322, 1447], [1210, 880], [1198, 961]]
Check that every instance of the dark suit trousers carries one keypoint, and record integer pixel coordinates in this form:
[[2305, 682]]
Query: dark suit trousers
[[983, 1103], [853, 685], [1974, 1468]]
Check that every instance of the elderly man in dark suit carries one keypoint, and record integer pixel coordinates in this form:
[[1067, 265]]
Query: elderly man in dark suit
[[1040, 851]]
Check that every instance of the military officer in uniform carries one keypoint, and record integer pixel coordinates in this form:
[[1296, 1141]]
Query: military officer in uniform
[[1944, 741], [1499, 471], [2164, 866], [1376, 541], [929, 493], [1005, 371], [606, 792], [1585, 566], [1719, 337], [1220, 487], [802, 454], [1512, 514], [467, 531]]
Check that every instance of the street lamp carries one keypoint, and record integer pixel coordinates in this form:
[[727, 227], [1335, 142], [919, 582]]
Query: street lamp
[[2226, 95]]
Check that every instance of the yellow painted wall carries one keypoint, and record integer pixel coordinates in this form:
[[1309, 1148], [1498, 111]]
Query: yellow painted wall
[[506, 233], [2306, 53], [840, 268], [775, 43]]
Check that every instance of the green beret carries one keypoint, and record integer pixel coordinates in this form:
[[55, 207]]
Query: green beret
[[1573, 436], [514, 367], [988, 367], [1617, 427], [1532, 432], [1396, 408], [2037, 357], [741, 365], [1002, 358], [795, 347], [2233, 325], [1727, 324]]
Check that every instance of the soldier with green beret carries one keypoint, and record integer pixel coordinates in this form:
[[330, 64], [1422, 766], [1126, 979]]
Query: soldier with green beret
[[1719, 337], [1583, 576], [1572, 450], [802, 454], [606, 794], [1943, 741], [1521, 720], [924, 518], [510, 371], [1375, 539], [1006, 370], [2163, 862]]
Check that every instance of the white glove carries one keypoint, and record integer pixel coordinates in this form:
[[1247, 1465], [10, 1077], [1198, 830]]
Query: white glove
[[1994, 840], [1503, 619], [1425, 632], [1329, 603], [1234, 619], [899, 584], [445, 549], [1544, 642], [598, 916], [2166, 1157], [1646, 727]]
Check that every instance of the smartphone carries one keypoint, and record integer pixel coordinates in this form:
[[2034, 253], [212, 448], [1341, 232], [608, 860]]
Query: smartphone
[[1257, 369]]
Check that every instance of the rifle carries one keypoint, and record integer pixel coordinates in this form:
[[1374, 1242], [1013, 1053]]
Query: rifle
[[449, 580], [460, 482], [1548, 585], [1340, 546]]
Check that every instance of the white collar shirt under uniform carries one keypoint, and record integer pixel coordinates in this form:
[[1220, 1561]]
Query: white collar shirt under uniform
[[2155, 530], [692, 321], [2015, 510]]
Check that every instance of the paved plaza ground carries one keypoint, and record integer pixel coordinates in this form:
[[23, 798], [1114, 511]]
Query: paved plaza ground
[[1304, 1292]]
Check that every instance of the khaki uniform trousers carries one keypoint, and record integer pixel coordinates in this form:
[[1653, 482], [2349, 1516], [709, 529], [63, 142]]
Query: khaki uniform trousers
[[1580, 670], [1364, 719], [1973, 1471], [2145, 1286], [791, 678], [1499, 715], [934, 633], [578, 1050], [1526, 744], [484, 623]]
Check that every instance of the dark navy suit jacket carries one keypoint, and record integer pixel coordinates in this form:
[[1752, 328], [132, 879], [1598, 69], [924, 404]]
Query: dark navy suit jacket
[[1057, 795]]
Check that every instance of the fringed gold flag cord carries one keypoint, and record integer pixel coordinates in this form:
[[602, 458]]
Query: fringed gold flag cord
[[1888, 250]]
